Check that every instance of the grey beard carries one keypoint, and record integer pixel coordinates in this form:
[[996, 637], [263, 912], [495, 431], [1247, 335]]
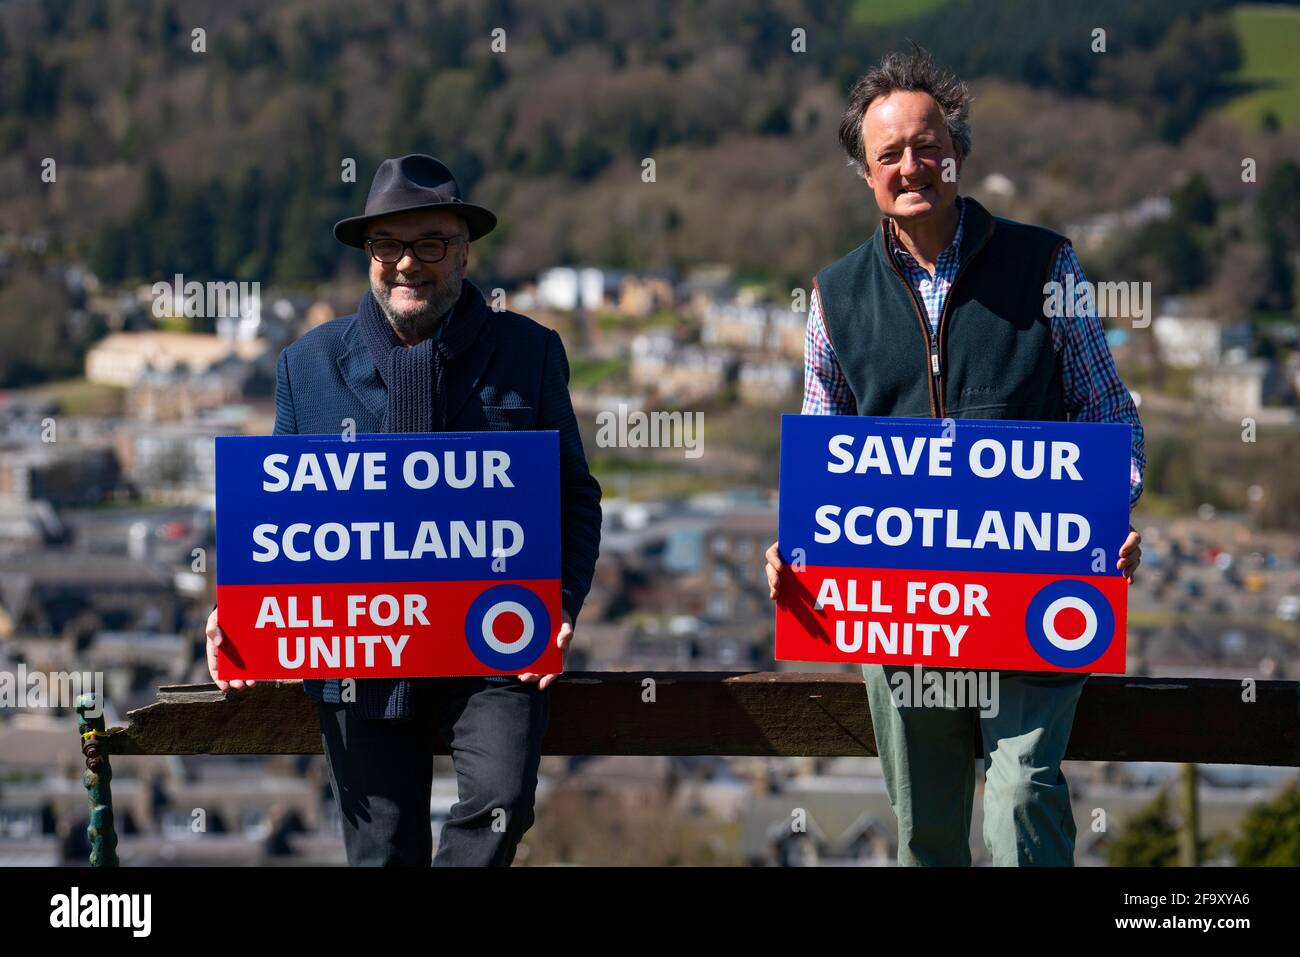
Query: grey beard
[[421, 325]]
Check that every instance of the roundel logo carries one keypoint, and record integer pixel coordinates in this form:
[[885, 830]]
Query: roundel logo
[[1070, 624], [507, 627]]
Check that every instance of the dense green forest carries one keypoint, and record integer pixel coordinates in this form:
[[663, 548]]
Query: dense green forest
[[227, 161]]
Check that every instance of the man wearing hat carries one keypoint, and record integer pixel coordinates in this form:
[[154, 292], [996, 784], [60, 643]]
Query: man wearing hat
[[425, 353]]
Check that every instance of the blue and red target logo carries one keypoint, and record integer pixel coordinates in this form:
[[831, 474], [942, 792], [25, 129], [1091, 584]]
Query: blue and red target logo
[[1070, 624], [507, 627]]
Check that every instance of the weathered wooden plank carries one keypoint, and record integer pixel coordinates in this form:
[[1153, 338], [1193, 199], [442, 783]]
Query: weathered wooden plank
[[1201, 720]]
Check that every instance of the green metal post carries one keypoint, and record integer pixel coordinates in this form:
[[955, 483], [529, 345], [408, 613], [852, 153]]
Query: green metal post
[[97, 778]]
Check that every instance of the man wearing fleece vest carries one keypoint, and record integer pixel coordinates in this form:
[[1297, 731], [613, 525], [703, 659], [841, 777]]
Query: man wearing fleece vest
[[941, 314], [425, 353]]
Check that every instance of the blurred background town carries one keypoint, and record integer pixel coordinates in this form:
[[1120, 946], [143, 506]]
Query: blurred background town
[[129, 157]]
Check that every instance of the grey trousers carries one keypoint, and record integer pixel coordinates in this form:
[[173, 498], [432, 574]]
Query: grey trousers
[[382, 773]]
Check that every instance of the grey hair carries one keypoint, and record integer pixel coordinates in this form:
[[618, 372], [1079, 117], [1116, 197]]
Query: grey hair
[[916, 72]]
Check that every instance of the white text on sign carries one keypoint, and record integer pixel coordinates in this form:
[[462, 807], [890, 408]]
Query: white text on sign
[[943, 599]]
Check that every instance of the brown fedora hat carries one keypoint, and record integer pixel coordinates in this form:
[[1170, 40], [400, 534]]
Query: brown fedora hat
[[412, 182]]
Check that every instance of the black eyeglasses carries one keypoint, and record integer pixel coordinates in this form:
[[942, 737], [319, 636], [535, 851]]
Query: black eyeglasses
[[432, 250]]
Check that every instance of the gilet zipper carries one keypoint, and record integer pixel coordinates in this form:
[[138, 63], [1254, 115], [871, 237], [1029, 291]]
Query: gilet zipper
[[933, 337]]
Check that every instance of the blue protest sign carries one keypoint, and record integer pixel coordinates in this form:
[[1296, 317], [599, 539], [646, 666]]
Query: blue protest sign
[[955, 543], [371, 556]]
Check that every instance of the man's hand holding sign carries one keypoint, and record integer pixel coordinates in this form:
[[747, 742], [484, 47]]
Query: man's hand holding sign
[[968, 544], [393, 556]]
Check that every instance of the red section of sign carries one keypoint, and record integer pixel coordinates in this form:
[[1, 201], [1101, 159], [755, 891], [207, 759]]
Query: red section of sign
[[951, 619], [317, 637], [1070, 623], [509, 627]]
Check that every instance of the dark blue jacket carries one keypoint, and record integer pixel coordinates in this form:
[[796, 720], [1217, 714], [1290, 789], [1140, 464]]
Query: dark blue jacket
[[514, 377]]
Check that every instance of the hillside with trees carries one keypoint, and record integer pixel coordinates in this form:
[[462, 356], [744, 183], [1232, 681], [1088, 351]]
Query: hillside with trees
[[228, 161]]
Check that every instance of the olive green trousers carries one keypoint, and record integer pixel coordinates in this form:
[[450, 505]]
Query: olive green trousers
[[928, 749]]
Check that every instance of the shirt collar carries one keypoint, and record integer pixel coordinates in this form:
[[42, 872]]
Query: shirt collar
[[953, 247]]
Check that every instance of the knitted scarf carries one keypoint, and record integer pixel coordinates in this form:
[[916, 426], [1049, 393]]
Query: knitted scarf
[[415, 377]]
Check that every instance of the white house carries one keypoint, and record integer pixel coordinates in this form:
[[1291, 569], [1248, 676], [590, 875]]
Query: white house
[[1187, 343], [569, 287]]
